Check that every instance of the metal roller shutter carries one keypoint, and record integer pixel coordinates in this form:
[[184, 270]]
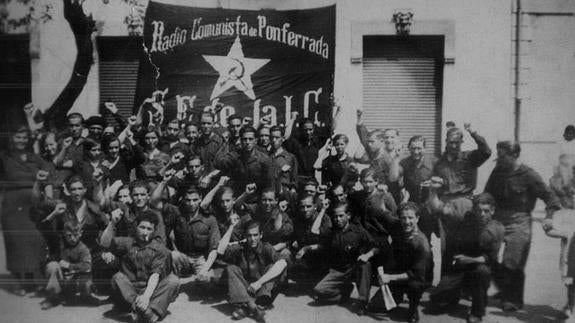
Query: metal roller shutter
[[402, 86], [119, 62]]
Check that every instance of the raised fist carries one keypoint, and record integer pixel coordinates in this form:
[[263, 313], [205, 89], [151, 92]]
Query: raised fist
[[42, 175]]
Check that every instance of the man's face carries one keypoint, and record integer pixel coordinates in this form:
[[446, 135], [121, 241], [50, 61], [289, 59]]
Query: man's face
[[151, 140], [114, 148], [77, 191], [306, 208], [20, 140], [341, 217], [192, 133], [269, 201], [124, 196], [144, 231], [50, 145], [235, 126], [206, 125], [308, 130], [172, 131], [192, 202], [75, 127], [140, 196], [569, 135], [227, 202], [264, 137], [340, 146], [195, 167], [95, 131], [484, 212], [72, 238], [408, 220], [504, 159], [368, 184], [253, 236], [453, 144], [390, 139], [310, 189], [339, 194], [276, 139], [95, 152], [416, 149], [248, 141], [374, 144]]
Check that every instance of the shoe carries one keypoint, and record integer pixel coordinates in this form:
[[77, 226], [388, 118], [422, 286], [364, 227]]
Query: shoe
[[413, 317], [149, 316], [48, 304], [19, 291], [509, 307], [259, 315], [360, 308], [90, 301], [473, 319], [239, 313]]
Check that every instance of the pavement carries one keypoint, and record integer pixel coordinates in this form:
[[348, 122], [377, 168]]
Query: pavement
[[544, 298]]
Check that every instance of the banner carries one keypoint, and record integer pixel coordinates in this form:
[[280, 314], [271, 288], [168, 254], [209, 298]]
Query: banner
[[258, 64]]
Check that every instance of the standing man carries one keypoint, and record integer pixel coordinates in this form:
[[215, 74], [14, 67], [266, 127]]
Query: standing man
[[516, 187], [285, 168], [209, 142], [144, 281], [416, 169], [306, 149]]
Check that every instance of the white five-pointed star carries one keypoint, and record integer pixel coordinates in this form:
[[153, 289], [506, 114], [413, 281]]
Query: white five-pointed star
[[235, 70]]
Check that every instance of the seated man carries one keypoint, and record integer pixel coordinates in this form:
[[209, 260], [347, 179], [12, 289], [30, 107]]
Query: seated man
[[196, 233], [144, 281], [68, 272], [409, 270], [470, 257], [350, 250], [253, 270]]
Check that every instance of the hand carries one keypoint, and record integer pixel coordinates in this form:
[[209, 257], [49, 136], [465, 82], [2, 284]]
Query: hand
[[223, 181], [364, 258], [67, 142], [42, 175], [547, 224], [60, 208], [359, 113], [384, 279], [180, 174], [205, 182], [254, 287], [325, 204], [64, 264], [294, 245], [98, 174], [177, 157], [251, 188], [28, 109], [321, 189], [286, 168], [404, 195], [462, 260], [266, 119], [168, 174], [294, 115], [467, 127], [283, 205], [382, 188], [234, 219], [246, 121], [111, 106], [108, 257], [116, 216], [142, 302], [301, 252], [132, 120]]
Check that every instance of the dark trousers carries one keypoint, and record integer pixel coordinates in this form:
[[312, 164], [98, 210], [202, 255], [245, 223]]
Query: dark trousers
[[476, 280], [512, 285], [413, 289], [336, 285], [62, 285], [164, 294], [238, 288]]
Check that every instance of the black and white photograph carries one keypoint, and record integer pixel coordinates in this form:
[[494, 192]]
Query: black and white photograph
[[286, 161]]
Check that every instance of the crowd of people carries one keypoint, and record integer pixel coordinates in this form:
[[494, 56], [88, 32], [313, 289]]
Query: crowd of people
[[136, 210]]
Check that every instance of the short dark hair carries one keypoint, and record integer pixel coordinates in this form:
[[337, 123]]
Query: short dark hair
[[371, 172], [147, 216], [378, 133], [72, 226], [233, 117], [484, 198], [406, 206], [392, 129], [453, 131], [247, 129], [510, 147], [207, 114], [75, 115], [193, 189], [345, 206], [139, 183], [75, 179], [307, 120], [277, 128], [416, 138], [253, 224], [341, 136]]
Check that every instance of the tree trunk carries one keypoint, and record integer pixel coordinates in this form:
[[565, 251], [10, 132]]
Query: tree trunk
[[82, 27]]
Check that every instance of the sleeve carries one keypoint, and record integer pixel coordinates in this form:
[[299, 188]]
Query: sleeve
[[362, 134], [422, 260], [121, 245], [232, 253], [267, 173], [270, 254], [215, 234], [482, 153], [542, 191], [84, 263], [490, 242], [160, 262]]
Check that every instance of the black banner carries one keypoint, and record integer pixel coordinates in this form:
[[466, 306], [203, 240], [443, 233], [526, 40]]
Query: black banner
[[258, 64]]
